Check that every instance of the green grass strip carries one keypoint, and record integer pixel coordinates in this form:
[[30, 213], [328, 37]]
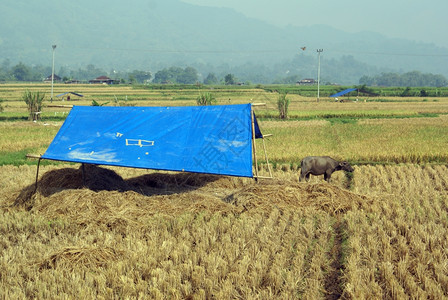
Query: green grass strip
[[345, 118], [18, 158]]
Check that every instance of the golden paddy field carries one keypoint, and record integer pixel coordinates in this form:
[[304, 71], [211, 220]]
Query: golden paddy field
[[379, 233]]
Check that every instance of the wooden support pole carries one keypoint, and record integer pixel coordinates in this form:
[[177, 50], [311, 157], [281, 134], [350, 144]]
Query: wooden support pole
[[38, 165], [62, 106], [263, 177], [266, 157], [37, 175], [254, 147]]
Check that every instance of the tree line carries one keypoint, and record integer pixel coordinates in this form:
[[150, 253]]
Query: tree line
[[23, 72], [190, 75], [409, 79]]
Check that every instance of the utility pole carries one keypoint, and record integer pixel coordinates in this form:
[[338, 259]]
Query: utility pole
[[319, 51], [52, 75]]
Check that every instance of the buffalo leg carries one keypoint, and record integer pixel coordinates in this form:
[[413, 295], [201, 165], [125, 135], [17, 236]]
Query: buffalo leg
[[302, 175]]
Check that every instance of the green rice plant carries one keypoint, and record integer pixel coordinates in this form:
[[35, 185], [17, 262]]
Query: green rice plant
[[283, 105], [95, 103], [205, 99]]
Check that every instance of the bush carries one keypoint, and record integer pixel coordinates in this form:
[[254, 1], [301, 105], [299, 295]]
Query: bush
[[424, 93], [95, 103], [205, 99], [406, 92], [34, 101], [283, 104]]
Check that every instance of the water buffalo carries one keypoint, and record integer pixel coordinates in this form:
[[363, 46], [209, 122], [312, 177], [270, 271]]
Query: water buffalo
[[318, 165]]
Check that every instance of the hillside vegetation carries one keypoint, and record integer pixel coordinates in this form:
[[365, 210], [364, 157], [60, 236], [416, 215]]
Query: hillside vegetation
[[152, 35]]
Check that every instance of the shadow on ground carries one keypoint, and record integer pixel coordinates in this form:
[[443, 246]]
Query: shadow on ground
[[98, 179]]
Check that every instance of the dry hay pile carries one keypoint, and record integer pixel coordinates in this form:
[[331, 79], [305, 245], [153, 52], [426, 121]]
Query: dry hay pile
[[293, 195], [105, 198], [88, 256]]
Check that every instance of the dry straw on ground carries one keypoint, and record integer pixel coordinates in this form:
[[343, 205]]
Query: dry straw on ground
[[126, 233], [104, 197], [71, 257]]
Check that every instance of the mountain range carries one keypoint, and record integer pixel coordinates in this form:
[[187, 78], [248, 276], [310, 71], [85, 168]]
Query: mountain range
[[154, 34]]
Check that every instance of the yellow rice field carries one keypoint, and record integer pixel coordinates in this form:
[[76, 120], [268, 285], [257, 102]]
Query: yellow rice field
[[140, 234]]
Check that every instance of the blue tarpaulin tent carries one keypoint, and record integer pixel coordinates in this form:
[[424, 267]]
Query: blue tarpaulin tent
[[204, 139], [73, 93], [343, 92]]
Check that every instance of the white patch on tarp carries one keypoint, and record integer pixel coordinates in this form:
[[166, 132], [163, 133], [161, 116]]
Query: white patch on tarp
[[112, 135], [224, 145], [80, 144], [101, 156]]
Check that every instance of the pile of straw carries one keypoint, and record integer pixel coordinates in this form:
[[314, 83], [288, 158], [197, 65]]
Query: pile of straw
[[71, 257], [107, 199], [292, 195]]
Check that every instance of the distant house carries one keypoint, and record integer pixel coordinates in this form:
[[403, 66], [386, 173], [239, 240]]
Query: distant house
[[56, 78], [104, 80], [306, 81]]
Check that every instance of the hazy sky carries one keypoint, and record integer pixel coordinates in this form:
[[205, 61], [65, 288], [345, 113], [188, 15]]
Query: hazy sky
[[417, 20]]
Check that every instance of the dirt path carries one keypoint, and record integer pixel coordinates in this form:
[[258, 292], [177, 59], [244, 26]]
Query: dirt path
[[334, 282]]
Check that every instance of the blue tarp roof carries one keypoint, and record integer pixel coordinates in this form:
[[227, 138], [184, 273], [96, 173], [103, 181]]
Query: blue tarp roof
[[73, 93], [343, 92], [204, 139]]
